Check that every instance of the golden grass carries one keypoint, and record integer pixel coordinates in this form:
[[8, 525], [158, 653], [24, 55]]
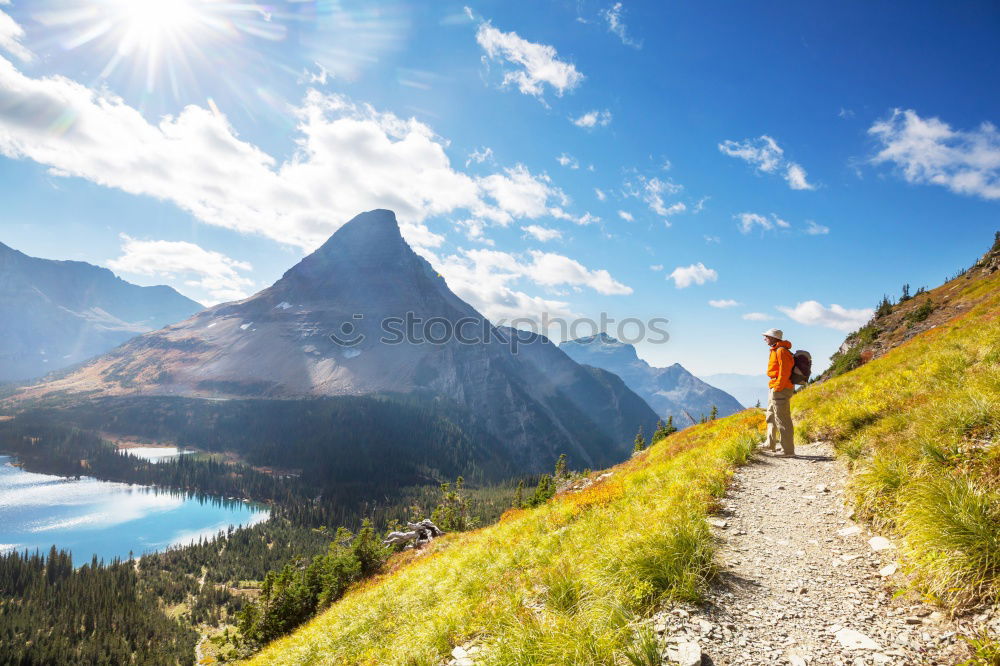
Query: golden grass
[[563, 583], [921, 427]]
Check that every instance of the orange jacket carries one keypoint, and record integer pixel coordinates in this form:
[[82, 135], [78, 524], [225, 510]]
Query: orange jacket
[[779, 366]]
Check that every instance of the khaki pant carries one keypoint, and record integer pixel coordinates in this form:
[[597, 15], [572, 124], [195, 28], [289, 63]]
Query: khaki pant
[[779, 421]]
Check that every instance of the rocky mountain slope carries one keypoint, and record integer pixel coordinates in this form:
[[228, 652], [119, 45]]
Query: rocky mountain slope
[[897, 322], [54, 314], [670, 391], [365, 315]]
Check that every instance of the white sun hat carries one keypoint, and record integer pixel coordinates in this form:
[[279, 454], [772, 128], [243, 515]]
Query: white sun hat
[[775, 333]]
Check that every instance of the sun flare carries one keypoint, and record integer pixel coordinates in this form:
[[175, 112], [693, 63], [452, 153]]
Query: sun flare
[[145, 23]]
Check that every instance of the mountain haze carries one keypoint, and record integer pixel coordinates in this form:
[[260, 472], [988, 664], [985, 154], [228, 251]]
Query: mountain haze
[[54, 314], [670, 391], [525, 392]]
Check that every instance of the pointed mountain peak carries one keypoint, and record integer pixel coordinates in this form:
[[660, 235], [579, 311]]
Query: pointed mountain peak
[[368, 245], [366, 230]]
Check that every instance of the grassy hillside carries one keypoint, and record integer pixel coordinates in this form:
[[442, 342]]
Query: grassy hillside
[[921, 428], [556, 584], [919, 423]]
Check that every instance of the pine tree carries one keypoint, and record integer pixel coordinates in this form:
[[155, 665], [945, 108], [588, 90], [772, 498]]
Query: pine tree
[[640, 441], [664, 430], [884, 308], [758, 404], [560, 470], [715, 413], [906, 293], [519, 495]]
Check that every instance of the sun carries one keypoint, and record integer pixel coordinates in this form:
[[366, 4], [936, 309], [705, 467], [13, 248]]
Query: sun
[[159, 49], [146, 24]]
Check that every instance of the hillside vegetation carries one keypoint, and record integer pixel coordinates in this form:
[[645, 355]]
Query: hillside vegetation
[[560, 583], [920, 427], [565, 582]]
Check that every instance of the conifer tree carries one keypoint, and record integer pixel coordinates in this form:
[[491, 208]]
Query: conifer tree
[[519, 495], [640, 441], [560, 470], [715, 413]]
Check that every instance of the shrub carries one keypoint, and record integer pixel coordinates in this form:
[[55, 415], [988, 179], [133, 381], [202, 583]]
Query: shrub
[[921, 312], [951, 526]]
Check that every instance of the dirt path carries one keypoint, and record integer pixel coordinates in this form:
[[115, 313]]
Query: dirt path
[[801, 583]]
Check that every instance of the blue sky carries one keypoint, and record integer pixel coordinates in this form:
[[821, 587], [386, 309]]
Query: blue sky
[[789, 162]]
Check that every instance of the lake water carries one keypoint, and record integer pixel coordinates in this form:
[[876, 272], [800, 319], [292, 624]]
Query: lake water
[[155, 454], [87, 516]]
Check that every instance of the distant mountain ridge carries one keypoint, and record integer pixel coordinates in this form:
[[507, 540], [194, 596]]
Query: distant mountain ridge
[[670, 391], [280, 344], [54, 314], [748, 389]]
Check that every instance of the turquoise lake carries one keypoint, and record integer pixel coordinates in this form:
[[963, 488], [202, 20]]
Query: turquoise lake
[[87, 516]]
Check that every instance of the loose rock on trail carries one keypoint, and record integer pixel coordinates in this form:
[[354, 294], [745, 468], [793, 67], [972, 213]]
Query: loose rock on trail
[[800, 582]]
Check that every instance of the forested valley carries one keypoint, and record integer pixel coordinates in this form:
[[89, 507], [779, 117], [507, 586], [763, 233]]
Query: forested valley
[[240, 589]]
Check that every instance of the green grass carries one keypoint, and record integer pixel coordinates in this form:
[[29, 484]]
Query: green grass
[[920, 428], [563, 583]]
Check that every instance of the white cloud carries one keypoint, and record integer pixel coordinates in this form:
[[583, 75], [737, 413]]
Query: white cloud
[[845, 113], [349, 158], [582, 220], [757, 316], [796, 177], [593, 119], [928, 150], [685, 276], [215, 274], [568, 160], [320, 76], [815, 229], [765, 155], [627, 216], [652, 191], [656, 267], [674, 209], [480, 155], [484, 278], [601, 196], [712, 239], [613, 17], [475, 230], [747, 221], [700, 205], [11, 36], [518, 193], [487, 278], [763, 152], [537, 64], [543, 234], [554, 269], [724, 303], [813, 313]]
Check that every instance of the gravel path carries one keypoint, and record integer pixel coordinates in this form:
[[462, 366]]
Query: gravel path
[[801, 583]]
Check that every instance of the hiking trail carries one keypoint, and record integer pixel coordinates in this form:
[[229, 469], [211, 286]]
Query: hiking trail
[[800, 582]]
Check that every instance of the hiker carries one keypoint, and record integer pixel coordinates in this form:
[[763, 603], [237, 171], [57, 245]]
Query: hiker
[[779, 410]]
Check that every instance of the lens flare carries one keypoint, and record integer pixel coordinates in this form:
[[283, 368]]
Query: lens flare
[[159, 46]]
